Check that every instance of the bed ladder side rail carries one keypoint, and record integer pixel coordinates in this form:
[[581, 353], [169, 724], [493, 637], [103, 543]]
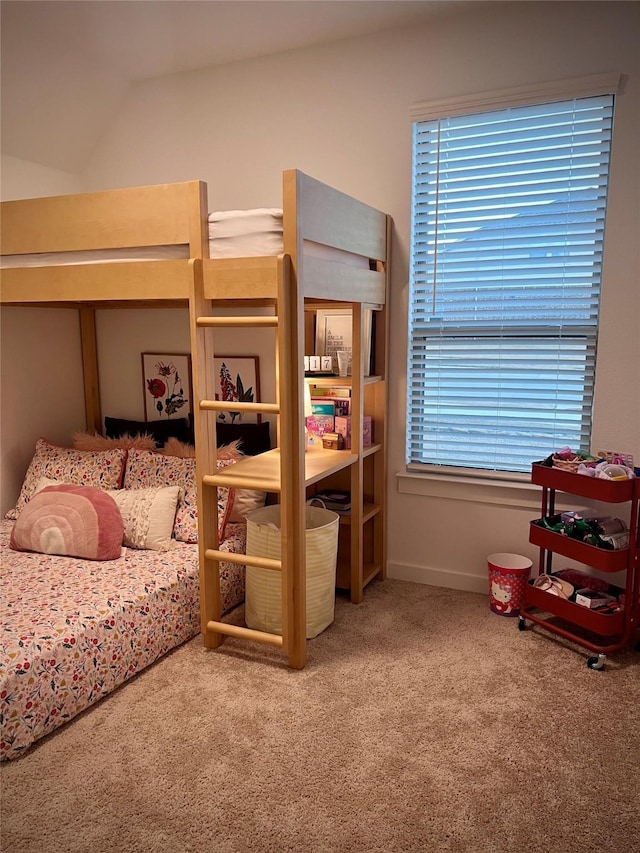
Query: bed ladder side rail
[[290, 398], [206, 458]]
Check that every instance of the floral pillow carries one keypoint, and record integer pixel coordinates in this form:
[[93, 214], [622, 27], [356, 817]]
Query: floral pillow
[[244, 500], [148, 469], [101, 469]]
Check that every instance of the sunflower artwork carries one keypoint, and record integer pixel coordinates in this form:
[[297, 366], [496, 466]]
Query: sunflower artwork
[[167, 385], [237, 382]]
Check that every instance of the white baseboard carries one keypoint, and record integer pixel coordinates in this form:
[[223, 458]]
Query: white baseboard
[[438, 577]]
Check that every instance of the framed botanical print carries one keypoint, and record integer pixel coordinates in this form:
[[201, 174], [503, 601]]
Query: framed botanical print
[[237, 380], [166, 382]]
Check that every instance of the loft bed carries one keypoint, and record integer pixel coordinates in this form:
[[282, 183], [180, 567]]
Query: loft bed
[[334, 250]]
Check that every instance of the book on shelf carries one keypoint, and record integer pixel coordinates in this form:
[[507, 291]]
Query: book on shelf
[[331, 405], [331, 391], [319, 424], [337, 500], [323, 406]]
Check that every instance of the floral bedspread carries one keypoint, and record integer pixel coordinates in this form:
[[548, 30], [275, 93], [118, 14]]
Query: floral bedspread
[[74, 630]]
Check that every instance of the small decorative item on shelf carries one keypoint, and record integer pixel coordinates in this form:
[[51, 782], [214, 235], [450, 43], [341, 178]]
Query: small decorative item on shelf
[[343, 426], [597, 600], [318, 365], [332, 441]]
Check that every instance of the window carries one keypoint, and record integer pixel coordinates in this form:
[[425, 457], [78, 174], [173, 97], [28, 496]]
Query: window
[[508, 216]]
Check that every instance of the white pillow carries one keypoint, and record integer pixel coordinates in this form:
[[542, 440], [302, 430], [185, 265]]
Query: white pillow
[[148, 516], [246, 500]]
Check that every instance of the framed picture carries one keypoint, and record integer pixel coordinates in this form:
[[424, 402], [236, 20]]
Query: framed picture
[[333, 333], [237, 379], [166, 382]]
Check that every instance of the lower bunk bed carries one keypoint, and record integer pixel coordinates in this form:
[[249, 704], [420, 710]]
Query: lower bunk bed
[[76, 629]]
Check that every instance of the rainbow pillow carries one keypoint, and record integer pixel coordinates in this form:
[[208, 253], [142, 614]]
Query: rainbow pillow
[[72, 521]]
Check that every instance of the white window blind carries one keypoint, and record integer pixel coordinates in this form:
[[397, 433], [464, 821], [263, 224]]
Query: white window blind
[[508, 215]]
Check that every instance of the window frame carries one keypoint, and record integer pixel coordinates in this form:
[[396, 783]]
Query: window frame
[[430, 110]]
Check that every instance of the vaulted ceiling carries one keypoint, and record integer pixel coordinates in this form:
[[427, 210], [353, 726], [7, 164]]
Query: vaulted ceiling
[[66, 65]]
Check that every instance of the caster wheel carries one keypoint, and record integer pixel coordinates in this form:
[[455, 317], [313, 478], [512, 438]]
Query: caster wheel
[[522, 624], [597, 663]]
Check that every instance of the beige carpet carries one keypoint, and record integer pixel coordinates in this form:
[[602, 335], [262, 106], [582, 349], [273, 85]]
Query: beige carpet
[[422, 722]]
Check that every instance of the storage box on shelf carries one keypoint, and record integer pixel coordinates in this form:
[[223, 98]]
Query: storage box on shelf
[[605, 631]]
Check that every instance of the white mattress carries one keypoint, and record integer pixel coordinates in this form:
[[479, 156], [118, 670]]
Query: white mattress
[[232, 234], [245, 233]]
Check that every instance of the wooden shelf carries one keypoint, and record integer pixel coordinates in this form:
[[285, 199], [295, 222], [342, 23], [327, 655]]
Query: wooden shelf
[[263, 471], [337, 381], [369, 451], [368, 511]]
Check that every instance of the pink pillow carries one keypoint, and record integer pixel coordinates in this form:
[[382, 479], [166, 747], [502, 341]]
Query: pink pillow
[[101, 469], [74, 521], [148, 469]]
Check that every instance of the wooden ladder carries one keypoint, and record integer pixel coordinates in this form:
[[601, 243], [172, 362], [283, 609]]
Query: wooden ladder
[[286, 464]]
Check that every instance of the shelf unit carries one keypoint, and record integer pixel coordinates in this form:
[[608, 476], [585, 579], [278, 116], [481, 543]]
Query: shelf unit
[[599, 632], [362, 535]]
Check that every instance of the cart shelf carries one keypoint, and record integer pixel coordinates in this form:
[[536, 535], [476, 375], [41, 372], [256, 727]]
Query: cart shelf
[[603, 624], [590, 555]]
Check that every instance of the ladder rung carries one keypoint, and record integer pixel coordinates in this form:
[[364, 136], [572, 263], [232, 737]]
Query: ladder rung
[[245, 633], [244, 559], [268, 320], [226, 405]]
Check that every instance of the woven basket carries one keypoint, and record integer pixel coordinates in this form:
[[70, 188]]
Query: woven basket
[[263, 599], [568, 464]]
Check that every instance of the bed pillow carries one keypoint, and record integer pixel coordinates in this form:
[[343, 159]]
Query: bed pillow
[[254, 438], [70, 520], [101, 469], [93, 441], [244, 500], [150, 469], [148, 516], [160, 430], [174, 447]]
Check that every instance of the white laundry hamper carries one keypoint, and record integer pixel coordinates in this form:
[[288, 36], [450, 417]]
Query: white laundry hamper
[[263, 596]]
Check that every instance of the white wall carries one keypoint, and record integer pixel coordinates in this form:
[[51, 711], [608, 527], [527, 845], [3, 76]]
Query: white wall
[[25, 179], [40, 359], [341, 113]]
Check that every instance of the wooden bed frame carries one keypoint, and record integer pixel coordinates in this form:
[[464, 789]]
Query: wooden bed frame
[[351, 268]]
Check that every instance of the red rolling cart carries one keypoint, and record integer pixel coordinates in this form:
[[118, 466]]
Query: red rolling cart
[[599, 632]]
